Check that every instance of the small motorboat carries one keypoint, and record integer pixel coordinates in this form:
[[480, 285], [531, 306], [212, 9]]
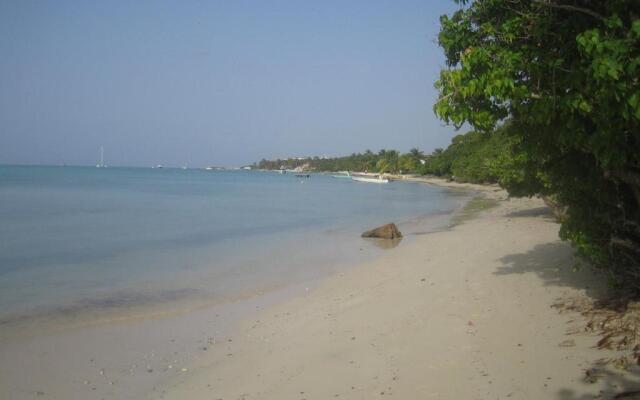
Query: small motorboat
[[367, 179]]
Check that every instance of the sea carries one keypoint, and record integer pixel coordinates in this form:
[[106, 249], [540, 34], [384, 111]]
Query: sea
[[81, 241]]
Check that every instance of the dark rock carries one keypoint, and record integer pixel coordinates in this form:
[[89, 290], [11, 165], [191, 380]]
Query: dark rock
[[388, 231]]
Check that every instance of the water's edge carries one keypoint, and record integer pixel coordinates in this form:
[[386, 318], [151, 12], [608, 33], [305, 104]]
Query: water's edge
[[128, 354]]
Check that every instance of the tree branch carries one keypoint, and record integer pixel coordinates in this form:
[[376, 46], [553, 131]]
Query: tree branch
[[444, 97], [629, 177], [569, 7], [625, 244]]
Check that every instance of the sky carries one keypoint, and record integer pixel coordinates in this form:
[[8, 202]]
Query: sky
[[216, 82]]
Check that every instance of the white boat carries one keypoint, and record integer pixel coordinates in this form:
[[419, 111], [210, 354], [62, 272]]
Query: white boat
[[365, 179]]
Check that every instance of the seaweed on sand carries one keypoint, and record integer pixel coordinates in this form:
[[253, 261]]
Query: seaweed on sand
[[616, 321]]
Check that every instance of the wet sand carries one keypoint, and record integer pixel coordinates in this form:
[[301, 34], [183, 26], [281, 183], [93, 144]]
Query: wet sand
[[460, 314]]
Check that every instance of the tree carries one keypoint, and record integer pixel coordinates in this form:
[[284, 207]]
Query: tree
[[566, 78], [407, 164]]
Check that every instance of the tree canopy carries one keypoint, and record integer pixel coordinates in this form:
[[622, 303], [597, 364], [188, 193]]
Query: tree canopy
[[387, 161], [561, 80]]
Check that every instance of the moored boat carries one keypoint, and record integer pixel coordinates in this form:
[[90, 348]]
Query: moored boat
[[367, 179]]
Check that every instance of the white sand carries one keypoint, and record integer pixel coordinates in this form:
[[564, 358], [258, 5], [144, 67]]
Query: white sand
[[460, 314]]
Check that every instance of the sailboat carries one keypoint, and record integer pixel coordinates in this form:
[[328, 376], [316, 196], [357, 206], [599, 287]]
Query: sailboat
[[101, 164]]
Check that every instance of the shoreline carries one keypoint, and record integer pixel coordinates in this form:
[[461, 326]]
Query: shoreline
[[471, 305], [125, 353], [129, 306]]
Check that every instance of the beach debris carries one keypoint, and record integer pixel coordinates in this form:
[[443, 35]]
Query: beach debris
[[185, 369], [628, 395], [616, 320], [567, 343], [592, 375], [388, 231], [620, 363]]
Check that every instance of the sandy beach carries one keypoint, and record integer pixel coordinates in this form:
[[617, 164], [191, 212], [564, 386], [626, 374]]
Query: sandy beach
[[460, 314]]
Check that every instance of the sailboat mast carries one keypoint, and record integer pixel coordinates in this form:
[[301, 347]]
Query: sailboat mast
[[101, 164]]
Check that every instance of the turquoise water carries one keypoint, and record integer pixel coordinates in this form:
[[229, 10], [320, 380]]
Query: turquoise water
[[76, 238]]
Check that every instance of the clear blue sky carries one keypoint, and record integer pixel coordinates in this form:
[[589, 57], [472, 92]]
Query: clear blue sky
[[220, 82]]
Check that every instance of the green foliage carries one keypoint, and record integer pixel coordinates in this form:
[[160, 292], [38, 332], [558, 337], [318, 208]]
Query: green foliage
[[475, 157], [388, 161], [565, 75]]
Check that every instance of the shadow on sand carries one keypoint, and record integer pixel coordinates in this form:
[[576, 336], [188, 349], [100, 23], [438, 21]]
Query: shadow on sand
[[554, 264], [533, 212], [614, 386], [384, 244]]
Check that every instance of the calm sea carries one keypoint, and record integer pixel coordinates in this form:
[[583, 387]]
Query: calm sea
[[78, 238]]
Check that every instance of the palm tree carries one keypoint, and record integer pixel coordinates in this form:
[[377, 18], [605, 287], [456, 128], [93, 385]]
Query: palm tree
[[416, 154]]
